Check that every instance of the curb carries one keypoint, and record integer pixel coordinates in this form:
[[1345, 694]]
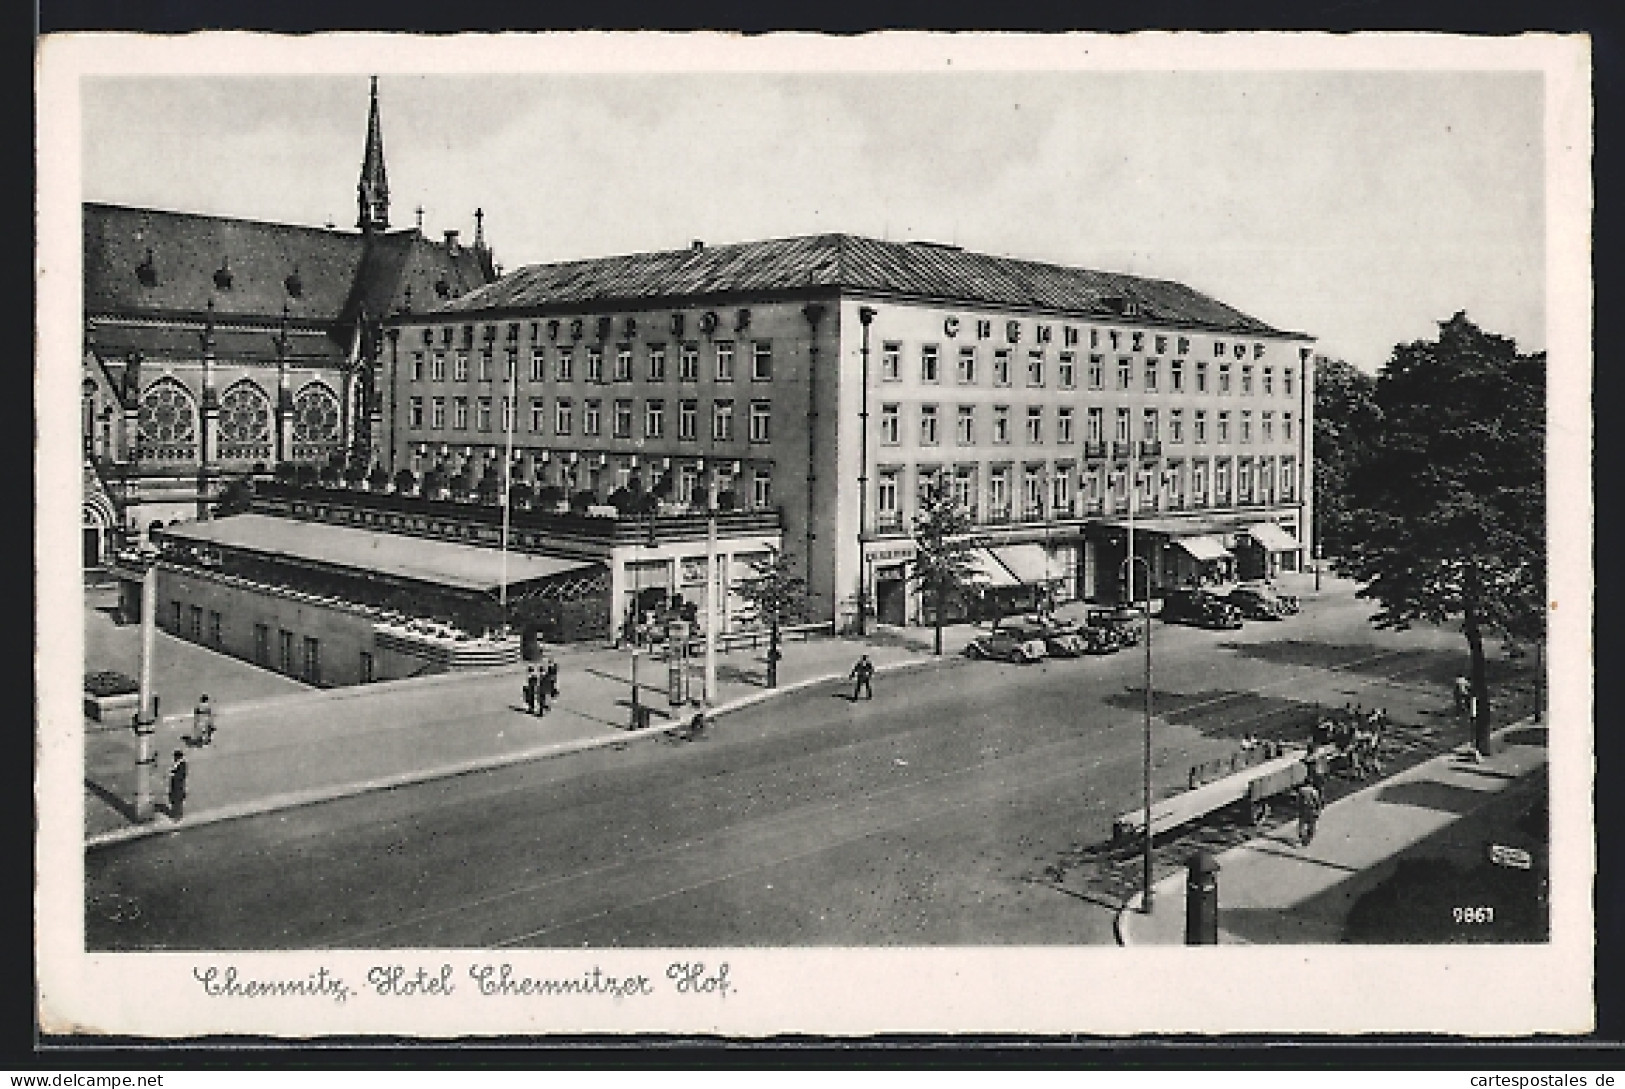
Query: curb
[[318, 795], [1122, 928]]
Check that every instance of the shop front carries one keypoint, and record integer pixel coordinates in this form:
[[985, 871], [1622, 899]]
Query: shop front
[[1264, 549]]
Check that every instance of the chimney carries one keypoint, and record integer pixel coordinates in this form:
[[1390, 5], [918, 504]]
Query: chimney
[[697, 245], [451, 242]]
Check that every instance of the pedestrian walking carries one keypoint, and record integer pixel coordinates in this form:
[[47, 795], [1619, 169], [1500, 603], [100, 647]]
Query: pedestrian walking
[[532, 686], [861, 674], [1463, 691], [1309, 806], [550, 679], [177, 785], [203, 720]]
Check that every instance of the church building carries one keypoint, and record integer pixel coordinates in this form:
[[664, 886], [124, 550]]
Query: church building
[[216, 347]]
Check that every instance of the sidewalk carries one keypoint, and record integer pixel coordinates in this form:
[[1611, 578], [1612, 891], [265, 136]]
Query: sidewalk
[[284, 751], [1274, 891]]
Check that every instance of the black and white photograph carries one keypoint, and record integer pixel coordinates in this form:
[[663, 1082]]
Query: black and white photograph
[[683, 533]]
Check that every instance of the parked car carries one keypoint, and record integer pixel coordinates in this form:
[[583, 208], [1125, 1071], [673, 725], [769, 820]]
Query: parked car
[[1253, 604], [1121, 622], [1200, 609], [1100, 640], [1061, 637], [1284, 604], [1010, 643]]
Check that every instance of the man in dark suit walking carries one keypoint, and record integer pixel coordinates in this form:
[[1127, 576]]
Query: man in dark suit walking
[[861, 673], [177, 785]]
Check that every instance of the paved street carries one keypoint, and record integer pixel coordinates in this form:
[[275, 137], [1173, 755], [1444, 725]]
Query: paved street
[[925, 817]]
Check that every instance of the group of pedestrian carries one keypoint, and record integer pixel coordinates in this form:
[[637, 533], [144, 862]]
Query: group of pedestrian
[[541, 687]]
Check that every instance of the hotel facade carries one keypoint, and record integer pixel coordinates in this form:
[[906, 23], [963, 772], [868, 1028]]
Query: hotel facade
[[830, 378]]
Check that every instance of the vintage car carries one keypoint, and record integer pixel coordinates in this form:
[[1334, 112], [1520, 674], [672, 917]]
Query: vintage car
[[1121, 624], [1062, 638], [1255, 604], [1201, 609], [1283, 604], [1009, 642]]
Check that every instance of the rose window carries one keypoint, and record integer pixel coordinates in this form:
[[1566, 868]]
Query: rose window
[[316, 416], [245, 416], [167, 416]]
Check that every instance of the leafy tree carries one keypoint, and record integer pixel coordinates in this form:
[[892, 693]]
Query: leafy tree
[[305, 474], [779, 595], [378, 479], [943, 549], [406, 481], [1346, 426], [548, 495], [1447, 514], [489, 489], [234, 497]]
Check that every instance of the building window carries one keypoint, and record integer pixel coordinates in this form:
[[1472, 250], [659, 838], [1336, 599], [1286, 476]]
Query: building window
[[414, 413], [538, 364], [928, 425], [888, 424], [1060, 491], [538, 416], [657, 362], [761, 419], [1063, 426], [888, 516], [998, 493], [1001, 424], [1035, 423], [761, 361], [1246, 427], [485, 364], [1199, 426], [1001, 366], [1176, 375], [929, 370], [563, 416], [761, 489], [437, 417], [566, 369], [623, 419], [964, 489], [592, 418], [1269, 382], [285, 651], [507, 416], [1066, 371], [214, 628], [725, 361], [485, 414], [891, 361], [1035, 367], [1095, 426], [623, 363], [654, 420], [459, 411], [967, 366], [1032, 493], [688, 363], [1151, 375], [1224, 427], [1246, 379], [262, 645], [1286, 381], [688, 416], [1289, 479], [1198, 483], [1125, 373], [1224, 378], [1148, 425], [366, 668], [722, 421], [1286, 426], [512, 362], [437, 367], [595, 364], [1121, 433], [417, 366], [459, 369], [1097, 372], [1244, 482], [965, 425], [313, 659], [1176, 425], [1266, 427]]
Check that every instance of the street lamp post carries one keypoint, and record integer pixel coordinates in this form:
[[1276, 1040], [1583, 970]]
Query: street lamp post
[[866, 315], [1128, 570]]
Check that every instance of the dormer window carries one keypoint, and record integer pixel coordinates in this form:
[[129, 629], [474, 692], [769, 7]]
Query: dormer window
[[222, 276], [147, 272]]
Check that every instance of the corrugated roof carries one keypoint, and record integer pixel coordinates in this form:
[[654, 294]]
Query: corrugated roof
[[850, 262], [461, 566]]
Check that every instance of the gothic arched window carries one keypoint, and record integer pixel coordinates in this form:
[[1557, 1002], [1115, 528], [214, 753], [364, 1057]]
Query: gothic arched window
[[167, 420], [316, 415], [245, 421]]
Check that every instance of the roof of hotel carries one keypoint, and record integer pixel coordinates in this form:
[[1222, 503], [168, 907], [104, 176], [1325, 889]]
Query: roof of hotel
[[927, 271], [446, 563]]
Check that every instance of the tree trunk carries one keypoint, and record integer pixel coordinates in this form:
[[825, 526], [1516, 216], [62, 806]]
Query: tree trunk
[[937, 620], [773, 652], [1475, 645]]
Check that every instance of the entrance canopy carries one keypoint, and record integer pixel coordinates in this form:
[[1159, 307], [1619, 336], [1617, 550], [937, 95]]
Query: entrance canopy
[[989, 571], [1202, 547], [1273, 537], [1027, 562]]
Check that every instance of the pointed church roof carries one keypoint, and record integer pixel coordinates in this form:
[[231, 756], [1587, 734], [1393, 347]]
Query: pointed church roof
[[373, 190]]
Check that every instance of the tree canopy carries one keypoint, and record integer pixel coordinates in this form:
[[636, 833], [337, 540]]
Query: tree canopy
[[944, 549], [1347, 420]]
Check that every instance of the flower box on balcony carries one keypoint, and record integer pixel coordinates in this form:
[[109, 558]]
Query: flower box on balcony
[[1122, 450], [1094, 450]]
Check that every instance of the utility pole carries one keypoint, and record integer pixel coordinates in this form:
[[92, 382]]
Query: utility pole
[[711, 581], [146, 714], [866, 315]]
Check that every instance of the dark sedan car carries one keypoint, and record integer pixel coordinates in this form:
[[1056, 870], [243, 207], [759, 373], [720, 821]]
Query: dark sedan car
[[1255, 604], [1121, 624], [1200, 609]]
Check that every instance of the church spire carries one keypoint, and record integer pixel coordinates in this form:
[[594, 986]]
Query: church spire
[[373, 190]]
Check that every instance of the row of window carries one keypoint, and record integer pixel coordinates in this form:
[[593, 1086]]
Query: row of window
[[622, 416], [431, 365], [187, 621], [687, 480], [966, 431], [1181, 375], [1057, 490]]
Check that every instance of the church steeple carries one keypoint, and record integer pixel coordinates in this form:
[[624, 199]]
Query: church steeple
[[373, 190]]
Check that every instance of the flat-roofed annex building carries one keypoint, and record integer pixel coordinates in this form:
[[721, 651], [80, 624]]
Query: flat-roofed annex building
[[831, 376]]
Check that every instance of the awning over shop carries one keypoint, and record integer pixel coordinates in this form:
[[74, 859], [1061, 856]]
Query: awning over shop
[[989, 571], [1202, 547], [1273, 537], [1027, 562]]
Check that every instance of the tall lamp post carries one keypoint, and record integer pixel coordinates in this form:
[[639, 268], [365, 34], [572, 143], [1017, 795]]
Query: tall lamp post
[[1128, 571], [866, 315]]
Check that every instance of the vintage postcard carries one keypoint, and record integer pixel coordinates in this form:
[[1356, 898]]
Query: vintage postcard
[[679, 533]]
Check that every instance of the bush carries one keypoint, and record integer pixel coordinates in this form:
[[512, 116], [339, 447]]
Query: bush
[[110, 683], [727, 500], [378, 479], [406, 481]]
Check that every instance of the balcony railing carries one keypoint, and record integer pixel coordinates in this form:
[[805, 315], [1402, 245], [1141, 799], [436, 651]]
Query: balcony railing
[[1122, 450], [1150, 448], [245, 451], [166, 451], [889, 521], [1094, 451]]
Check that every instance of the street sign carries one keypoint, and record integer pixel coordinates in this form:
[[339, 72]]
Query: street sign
[[1512, 857]]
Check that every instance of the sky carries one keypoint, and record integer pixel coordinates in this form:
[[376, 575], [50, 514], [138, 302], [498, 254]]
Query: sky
[[1360, 207]]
